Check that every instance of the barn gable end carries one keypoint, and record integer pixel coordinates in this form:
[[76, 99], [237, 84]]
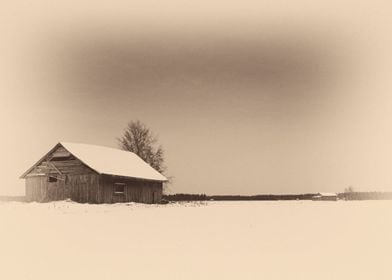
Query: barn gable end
[[58, 163], [60, 175]]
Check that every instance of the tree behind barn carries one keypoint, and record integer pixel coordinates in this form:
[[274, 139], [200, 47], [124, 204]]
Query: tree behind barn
[[138, 138]]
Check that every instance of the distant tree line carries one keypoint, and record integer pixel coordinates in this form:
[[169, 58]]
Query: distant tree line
[[185, 197], [365, 195], [201, 197], [271, 197]]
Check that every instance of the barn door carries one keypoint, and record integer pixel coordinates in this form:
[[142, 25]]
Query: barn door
[[53, 189]]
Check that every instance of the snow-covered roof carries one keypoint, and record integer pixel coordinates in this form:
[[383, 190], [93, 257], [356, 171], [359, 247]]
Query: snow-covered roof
[[327, 194], [111, 161]]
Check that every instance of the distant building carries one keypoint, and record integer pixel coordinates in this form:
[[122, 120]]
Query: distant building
[[325, 197], [93, 174]]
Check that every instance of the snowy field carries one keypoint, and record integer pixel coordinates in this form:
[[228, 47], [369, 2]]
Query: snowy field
[[214, 240]]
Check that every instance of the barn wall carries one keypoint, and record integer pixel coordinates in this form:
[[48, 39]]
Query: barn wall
[[36, 188], [92, 188], [80, 188], [134, 191]]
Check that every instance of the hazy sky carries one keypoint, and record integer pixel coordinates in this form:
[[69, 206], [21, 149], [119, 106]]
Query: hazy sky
[[247, 97]]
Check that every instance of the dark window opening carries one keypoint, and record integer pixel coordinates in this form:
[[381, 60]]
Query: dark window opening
[[119, 188], [52, 179]]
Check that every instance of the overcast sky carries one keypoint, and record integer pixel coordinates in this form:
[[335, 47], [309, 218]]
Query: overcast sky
[[246, 98]]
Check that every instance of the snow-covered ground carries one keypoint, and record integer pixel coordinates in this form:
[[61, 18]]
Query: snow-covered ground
[[213, 240]]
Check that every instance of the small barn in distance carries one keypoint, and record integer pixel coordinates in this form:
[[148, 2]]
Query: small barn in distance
[[325, 197], [92, 174]]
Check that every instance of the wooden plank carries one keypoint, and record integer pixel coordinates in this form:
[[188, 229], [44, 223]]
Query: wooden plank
[[67, 163], [55, 168]]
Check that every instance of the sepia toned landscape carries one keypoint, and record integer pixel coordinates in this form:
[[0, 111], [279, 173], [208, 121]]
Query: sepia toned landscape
[[195, 140]]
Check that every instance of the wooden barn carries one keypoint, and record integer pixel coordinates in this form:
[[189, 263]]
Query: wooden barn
[[92, 174], [325, 197]]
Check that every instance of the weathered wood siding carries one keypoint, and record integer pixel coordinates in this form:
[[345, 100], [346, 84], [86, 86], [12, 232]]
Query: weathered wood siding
[[60, 162], [79, 188], [134, 190], [92, 188]]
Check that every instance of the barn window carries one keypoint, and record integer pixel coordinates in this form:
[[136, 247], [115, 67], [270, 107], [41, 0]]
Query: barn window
[[52, 179], [119, 188]]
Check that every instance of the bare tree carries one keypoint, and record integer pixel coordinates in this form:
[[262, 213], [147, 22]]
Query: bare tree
[[139, 139], [350, 189]]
